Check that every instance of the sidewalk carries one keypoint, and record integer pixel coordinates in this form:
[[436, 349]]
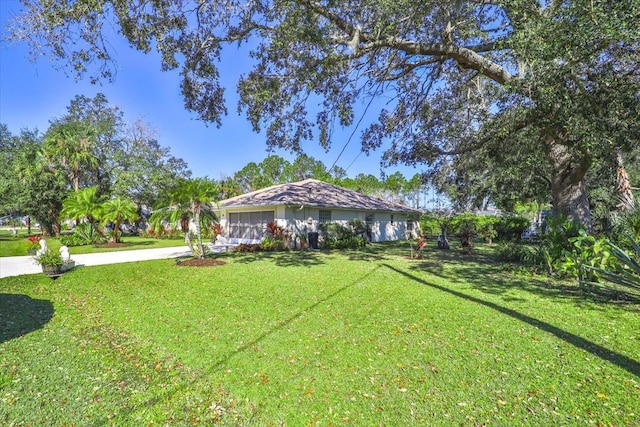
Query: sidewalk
[[18, 265]]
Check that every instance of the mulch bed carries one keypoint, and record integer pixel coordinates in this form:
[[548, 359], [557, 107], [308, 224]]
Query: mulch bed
[[197, 262]]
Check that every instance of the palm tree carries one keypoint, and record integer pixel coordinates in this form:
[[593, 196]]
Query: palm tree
[[84, 204], [190, 201], [70, 146], [117, 211]]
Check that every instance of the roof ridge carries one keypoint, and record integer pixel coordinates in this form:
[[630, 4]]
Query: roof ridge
[[323, 187], [252, 192]]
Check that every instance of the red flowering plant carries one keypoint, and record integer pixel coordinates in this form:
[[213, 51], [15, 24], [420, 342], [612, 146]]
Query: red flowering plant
[[216, 230], [419, 250], [34, 243], [276, 231]]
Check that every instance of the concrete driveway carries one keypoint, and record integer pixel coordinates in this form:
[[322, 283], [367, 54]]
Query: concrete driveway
[[18, 265]]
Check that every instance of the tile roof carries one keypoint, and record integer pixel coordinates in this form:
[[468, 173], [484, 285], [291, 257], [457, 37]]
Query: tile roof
[[312, 192]]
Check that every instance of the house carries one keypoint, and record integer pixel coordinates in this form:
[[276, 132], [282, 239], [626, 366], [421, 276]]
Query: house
[[301, 206]]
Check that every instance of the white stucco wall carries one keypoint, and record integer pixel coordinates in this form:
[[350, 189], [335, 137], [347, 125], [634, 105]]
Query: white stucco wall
[[301, 219]]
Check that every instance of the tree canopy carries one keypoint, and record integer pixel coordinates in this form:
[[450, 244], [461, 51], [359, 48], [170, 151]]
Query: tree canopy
[[189, 201], [554, 81], [89, 146]]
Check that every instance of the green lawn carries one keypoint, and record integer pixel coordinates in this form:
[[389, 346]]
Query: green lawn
[[353, 338], [11, 245]]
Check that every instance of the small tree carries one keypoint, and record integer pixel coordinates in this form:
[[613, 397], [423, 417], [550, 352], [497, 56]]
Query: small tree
[[190, 200], [117, 211], [85, 205]]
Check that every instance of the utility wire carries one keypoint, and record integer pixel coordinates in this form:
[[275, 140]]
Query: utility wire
[[352, 133]]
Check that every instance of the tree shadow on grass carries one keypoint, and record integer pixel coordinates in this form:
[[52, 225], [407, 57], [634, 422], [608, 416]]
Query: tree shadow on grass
[[620, 360], [483, 272], [205, 372], [281, 259], [20, 315]]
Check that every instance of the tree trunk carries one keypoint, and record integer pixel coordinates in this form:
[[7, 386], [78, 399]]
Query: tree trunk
[[50, 226], [196, 219], [116, 231], [568, 188], [623, 184]]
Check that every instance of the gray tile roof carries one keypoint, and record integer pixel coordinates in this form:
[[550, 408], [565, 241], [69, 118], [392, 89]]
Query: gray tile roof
[[312, 192]]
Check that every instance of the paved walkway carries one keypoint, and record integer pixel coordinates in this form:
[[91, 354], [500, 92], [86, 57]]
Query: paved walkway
[[18, 265]]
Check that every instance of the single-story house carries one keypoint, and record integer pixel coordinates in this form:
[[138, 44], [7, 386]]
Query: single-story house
[[301, 206]]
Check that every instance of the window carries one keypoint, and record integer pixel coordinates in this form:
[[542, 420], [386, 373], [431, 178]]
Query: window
[[391, 219], [409, 225], [249, 225], [325, 216]]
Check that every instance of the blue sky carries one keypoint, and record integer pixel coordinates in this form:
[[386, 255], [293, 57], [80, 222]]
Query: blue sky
[[31, 94]]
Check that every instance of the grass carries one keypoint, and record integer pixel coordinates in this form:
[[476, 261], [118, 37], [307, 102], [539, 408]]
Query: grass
[[17, 245], [352, 338]]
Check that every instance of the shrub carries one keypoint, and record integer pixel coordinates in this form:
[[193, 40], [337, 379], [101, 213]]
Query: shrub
[[49, 257], [419, 250], [358, 226], [337, 236], [515, 252], [488, 232], [246, 247], [354, 242], [586, 251], [429, 223], [467, 231], [627, 224], [34, 243], [271, 244], [162, 233], [84, 235], [275, 231], [511, 227], [216, 230], [626, 274]]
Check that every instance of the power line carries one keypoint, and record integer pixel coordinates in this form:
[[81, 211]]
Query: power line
[[352, 133]]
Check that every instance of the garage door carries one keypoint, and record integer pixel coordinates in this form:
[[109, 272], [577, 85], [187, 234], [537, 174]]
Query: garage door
[[249, 225]]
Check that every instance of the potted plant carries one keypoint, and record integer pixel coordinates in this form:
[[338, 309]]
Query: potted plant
[[34, 245], [51, 262], [303, 240]]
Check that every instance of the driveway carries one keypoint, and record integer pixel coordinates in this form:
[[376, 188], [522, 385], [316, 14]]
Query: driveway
[[18, 265]]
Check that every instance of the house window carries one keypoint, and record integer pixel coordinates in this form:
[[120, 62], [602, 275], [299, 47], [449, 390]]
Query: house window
[[324, 216], [249, 225], [409, 225], [391, 219]]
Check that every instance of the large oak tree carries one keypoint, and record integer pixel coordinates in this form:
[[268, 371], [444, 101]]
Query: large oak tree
[[555, 79]]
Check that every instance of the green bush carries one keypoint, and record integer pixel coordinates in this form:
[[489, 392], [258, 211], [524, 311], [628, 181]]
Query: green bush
[[83, 234], [627, 224], [625, 276], [511, 227], [162, 233], [429, 223], [272, 244], [358, 226], [49, 257], [354, 242], [511, 251], [248, 247], [338, 236], [587, 255]]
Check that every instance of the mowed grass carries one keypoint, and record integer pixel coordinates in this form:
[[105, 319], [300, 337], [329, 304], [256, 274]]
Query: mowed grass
[[341, 338], [11, 245]]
